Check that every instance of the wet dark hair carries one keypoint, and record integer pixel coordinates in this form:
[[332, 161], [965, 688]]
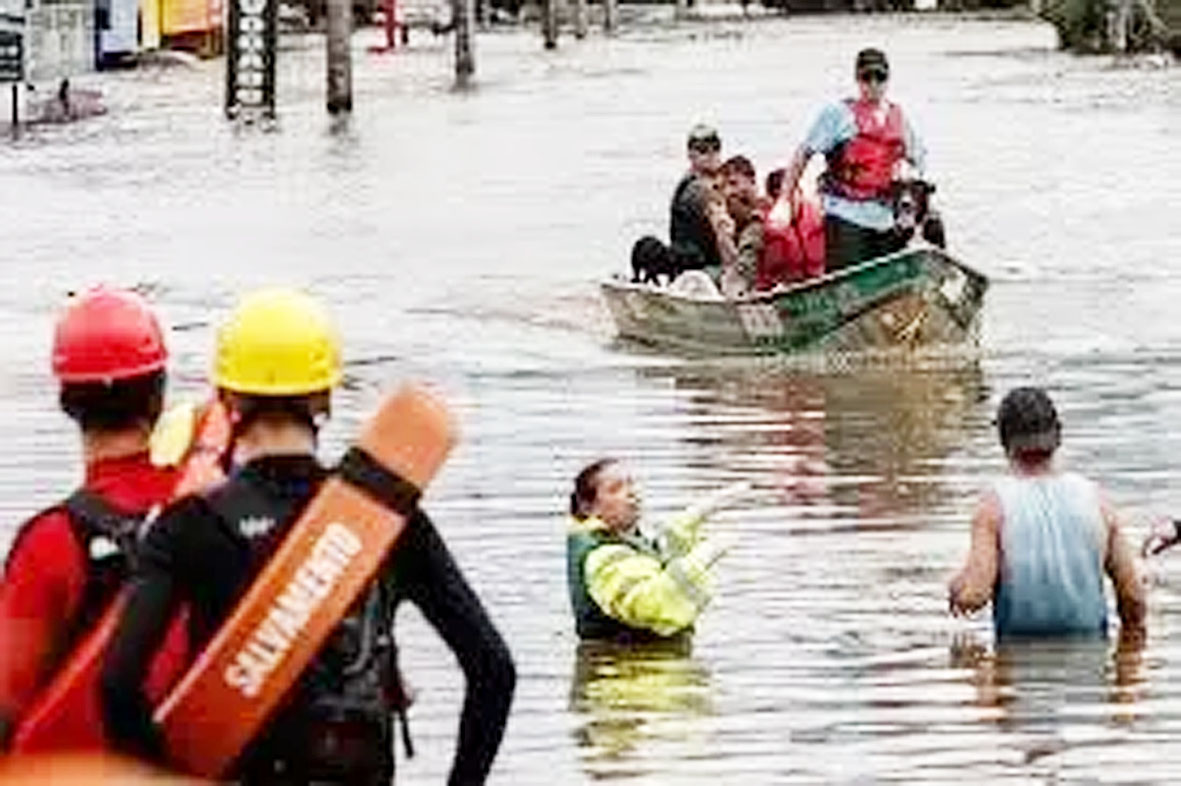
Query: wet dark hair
[[115, 405], [306, 410], [586, 487], [774, 182], [739, 164], [1028, 425]]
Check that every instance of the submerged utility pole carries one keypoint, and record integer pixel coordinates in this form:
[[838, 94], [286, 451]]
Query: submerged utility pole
[[339, 25], [609, 21], [464, 13], [549, 23], [580, 18]]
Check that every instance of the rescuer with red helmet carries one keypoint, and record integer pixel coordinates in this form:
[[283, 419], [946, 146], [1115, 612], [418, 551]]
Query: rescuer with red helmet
[[67, 562]]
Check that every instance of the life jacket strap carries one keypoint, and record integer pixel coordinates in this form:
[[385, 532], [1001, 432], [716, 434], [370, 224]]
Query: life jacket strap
[[390, 489]]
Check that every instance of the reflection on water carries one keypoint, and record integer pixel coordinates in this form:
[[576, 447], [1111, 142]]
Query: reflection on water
[[1043, 692], [859, 443], [457, 237], [626, 697]]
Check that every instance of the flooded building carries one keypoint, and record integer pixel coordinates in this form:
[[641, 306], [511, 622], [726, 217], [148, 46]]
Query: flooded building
[[59, 39], [69, 37]]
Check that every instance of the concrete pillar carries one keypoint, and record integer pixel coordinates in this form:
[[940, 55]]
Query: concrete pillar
[[465, 56], [549, 23], [610, 16], [580, 22], [339, 24]]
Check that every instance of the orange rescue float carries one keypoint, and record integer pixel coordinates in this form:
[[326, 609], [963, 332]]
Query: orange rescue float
[[326, 560]]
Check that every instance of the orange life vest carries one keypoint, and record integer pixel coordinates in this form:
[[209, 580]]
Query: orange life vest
[[792, 252], [863, 167]]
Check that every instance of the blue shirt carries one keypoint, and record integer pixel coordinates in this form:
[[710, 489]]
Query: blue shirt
[[836, 125]]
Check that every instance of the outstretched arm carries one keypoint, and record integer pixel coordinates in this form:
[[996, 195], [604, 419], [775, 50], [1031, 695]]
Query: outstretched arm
[[424, 572], [916, 151], [973, 586], [795, 170], [638, 590], [682, 532]]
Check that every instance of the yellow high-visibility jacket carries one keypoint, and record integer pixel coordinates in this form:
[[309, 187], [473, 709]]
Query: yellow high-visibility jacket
[[624, 585]]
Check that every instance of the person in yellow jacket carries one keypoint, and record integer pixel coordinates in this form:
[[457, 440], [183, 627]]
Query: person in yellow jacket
[[624, 585]]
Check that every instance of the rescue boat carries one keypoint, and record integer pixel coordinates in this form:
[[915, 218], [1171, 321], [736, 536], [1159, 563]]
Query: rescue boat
[[920, 296]]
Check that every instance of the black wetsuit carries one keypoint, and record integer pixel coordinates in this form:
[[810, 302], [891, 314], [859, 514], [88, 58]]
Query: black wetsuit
[[192, 554]]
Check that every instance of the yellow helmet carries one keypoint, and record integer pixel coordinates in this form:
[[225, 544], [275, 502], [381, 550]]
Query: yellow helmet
[[278, 342]]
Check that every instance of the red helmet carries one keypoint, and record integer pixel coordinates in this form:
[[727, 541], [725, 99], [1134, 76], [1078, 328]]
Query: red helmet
[[107, 334]]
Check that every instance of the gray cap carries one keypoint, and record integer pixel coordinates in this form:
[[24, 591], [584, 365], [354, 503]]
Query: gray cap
[[702, 135]]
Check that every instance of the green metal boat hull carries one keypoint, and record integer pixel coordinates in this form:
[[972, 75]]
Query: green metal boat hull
[[916, 297]]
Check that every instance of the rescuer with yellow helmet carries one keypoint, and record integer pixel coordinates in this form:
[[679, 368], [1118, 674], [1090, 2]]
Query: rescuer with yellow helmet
[[277, 361]]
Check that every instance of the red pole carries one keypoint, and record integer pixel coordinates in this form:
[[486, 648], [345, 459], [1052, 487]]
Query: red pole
[[391, 25]]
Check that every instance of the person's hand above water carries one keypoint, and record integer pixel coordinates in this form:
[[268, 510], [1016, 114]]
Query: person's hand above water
[[1164, 534], [708, 504]]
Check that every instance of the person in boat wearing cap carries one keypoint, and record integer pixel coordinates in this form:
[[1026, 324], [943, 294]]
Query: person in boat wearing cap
[[864, 140], [67, 563], [277, 363], [697, 206], [1042, 539], [624, 586]]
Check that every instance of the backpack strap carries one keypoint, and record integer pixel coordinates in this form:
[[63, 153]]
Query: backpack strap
[[109, 539], [93, 517]]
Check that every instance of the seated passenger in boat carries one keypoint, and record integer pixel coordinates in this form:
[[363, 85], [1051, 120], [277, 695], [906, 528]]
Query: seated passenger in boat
[[691, 232], [624, 585], [740, 245], [692, 235]]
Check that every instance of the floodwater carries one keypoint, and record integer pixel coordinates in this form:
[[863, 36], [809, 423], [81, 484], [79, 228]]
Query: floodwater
[[458, 237]]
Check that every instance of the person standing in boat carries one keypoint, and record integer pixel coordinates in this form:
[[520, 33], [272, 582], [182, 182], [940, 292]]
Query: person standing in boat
[[277, 363], [1042, 540], [627, 587], [67, 563], [864, 140]]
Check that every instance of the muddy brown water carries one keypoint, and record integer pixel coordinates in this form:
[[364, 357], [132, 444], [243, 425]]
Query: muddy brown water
[[457, 238]]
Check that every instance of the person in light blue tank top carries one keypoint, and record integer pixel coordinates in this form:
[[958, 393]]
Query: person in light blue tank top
[[1042, 540]]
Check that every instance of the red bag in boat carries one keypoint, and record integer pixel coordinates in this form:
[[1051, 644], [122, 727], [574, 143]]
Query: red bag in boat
[[792, 251]]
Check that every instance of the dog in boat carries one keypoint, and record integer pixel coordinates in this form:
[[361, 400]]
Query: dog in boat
[[911, 200], [652, 260]]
